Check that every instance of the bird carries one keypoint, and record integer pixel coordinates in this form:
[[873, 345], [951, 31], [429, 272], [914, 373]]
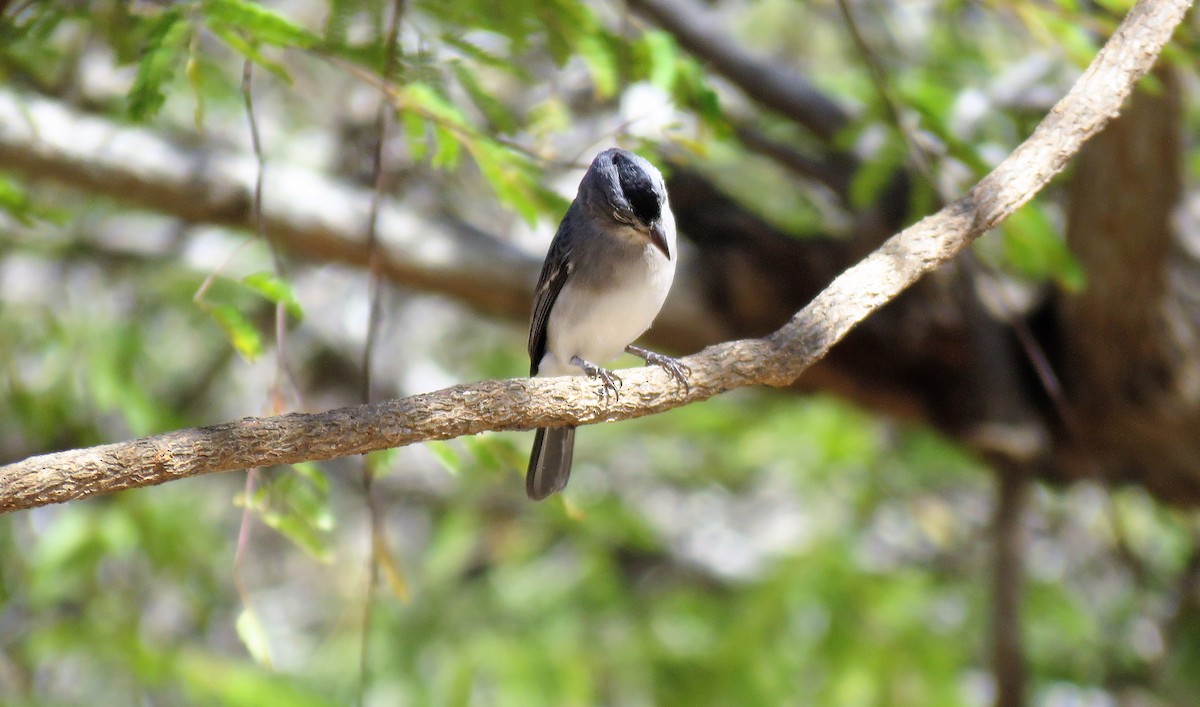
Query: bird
[[604, 280]]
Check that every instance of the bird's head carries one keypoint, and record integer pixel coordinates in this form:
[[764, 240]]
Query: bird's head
[[625, 189]]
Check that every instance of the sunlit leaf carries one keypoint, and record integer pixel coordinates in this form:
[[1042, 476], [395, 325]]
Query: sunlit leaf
[[238, 43], [548, 117], [508, 177], [259, 23], [446, 148], [416, 134], [241, 333], [445, 454], [196, 81], [253, 636], [15, 200], [485, 57], [601, 62], [161, 55], [878, 172], [210, 678], [495, 111], [692, 90], [312, 473], [1034, 248], [275, 290], [661, 58], [296, 504], [481, 449]]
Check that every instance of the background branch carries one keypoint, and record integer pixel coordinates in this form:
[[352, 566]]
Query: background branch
[[782, 91]]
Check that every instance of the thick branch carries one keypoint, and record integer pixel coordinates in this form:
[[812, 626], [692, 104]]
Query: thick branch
[[309, 214], [527, 403], [1130, 358]]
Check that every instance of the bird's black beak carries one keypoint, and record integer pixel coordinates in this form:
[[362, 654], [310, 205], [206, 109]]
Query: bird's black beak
[[658, 237]]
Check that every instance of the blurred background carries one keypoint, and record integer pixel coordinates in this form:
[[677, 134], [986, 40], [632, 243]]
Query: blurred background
[[984, 495]]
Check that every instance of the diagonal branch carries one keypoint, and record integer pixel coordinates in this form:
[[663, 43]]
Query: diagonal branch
[[519, 404]]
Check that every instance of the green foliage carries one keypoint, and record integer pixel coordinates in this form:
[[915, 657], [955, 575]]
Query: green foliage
[[241, 333], [162, 53], [1034, 249], [252, 634], [259, 22], [294, 502], [275, 290]]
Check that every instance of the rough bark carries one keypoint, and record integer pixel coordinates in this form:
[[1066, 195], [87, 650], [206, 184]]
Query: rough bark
[[1008, 658], [1131, 338], [777, 359]]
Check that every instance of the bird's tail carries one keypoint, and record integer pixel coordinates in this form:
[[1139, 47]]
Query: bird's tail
[[550, 462]]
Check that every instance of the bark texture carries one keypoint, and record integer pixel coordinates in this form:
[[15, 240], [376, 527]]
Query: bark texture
[[1131, 338]]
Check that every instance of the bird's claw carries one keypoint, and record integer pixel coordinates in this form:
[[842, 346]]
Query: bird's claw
[[610, 383], [674, 368]]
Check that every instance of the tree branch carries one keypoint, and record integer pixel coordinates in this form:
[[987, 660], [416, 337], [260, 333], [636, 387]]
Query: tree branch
[[519, 404], [775, 88], [309, 214]]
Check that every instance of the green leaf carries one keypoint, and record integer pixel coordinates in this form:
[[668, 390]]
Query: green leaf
[[295, 503], [875, 174], [259, 23], [446, 153], [160, 55], [238, 43], [550, 117], [275, 290], [662, 64], [416, 134], [196, 81], [495, 111], [509, 177], [15, 200], [692, 90], [481, 448], [250, 631], [209, 679], [312, 473], [1034, 249], [484, 57], [600, 60], [426, 100], [341, 14], [241, 333], [446, 455]]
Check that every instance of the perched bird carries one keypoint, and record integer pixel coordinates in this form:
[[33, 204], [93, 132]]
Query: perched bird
[[605, 278]]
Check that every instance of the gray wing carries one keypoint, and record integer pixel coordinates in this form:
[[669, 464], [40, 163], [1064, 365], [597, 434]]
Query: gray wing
[[555, 271]]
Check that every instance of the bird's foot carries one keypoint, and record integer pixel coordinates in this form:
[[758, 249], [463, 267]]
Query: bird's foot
[[674, 368], [610, 383]]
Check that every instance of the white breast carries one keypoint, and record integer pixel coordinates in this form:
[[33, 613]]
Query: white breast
[[597, 324]]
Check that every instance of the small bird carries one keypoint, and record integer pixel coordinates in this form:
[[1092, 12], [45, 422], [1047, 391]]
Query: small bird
[[606, 275]]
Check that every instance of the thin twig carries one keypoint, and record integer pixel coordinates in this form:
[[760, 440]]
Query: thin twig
[[375, 288], [1008, 662], [916, 153], [243, 539], [264, 235]]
